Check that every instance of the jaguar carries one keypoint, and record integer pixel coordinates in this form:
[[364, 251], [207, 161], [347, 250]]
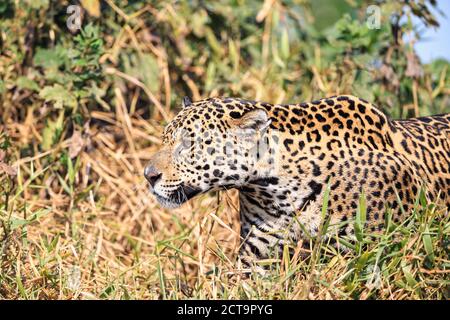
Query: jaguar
[[286, 158]]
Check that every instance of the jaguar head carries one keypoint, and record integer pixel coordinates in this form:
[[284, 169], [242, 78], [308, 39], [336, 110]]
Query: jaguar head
[[210, 144]]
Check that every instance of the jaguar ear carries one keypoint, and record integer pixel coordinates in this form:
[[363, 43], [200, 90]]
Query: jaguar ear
[[186, 102], [256, 119]]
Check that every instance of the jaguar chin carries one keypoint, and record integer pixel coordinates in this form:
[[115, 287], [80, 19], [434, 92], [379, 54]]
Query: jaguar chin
[[177, 197]]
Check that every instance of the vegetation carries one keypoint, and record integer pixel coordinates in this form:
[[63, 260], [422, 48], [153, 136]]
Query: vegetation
[[81, 111]]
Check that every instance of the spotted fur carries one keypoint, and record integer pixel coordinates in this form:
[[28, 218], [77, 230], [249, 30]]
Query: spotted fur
[[343, 140]]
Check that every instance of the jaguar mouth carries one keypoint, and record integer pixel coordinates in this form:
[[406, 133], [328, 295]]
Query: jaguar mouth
[[179, 196]]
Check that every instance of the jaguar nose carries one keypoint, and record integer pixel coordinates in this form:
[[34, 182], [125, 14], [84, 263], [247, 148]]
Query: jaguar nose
[[152, 175]]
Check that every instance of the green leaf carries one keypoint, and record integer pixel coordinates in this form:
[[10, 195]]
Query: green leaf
[[213, 42], [52, 131], [49, 58], [234, 54], [38, 4], [26, 83], [426, 237], [362, 260], [210, 76], [60, 96], [199, 20], [285, 51], [408, 275], [326, 197], [64, 185], [144, 67], [3, 7], [70, 172], [18, 222], [360, 217]]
